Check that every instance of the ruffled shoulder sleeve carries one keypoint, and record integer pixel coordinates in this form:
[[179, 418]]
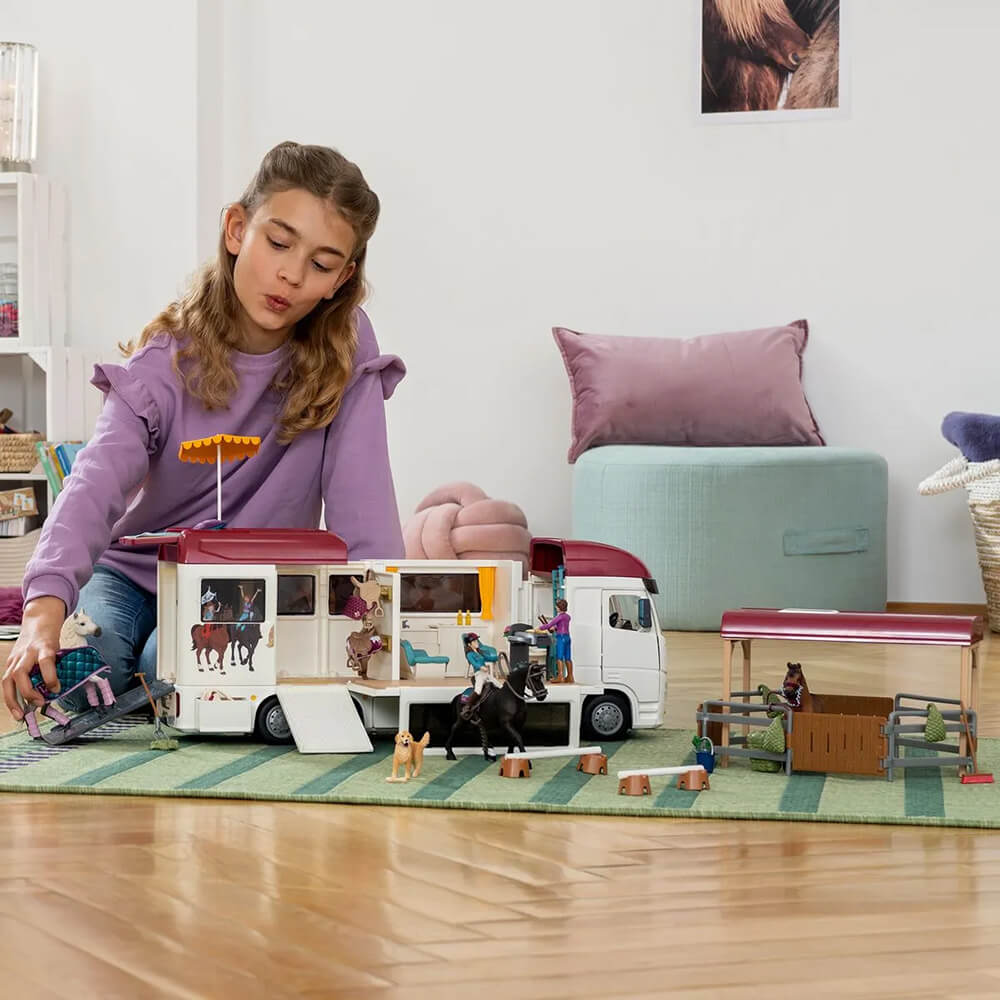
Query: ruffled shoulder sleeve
[[369, 360], [142, 385], [115, 378]]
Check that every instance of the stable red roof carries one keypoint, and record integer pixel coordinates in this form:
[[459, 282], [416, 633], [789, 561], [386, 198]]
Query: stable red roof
[[851, 626], [584, 558], [244, 545]]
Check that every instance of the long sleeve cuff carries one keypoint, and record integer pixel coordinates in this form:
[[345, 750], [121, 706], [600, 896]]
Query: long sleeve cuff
[[51, 585]]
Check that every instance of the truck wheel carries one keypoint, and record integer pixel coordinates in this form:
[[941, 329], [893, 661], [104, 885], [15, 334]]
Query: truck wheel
[[272, 726], [605, 717]]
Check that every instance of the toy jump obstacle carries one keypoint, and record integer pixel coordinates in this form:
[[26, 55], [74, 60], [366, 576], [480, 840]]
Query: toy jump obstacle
[[592, 760], [691, 777], [852, 734]]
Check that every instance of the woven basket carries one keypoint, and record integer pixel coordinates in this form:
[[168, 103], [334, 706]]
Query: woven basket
[[17, 452], [982, 482]]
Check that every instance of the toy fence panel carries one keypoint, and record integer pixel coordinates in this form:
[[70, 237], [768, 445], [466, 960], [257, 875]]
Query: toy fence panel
[[846, 738]]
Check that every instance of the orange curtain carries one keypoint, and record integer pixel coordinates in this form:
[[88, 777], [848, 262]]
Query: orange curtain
[[487, 581]]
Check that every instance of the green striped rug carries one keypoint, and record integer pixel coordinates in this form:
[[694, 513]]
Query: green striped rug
[[121, 763]]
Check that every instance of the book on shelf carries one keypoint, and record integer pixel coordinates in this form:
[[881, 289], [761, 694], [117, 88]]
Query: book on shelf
[[56, 459], [15, 527]]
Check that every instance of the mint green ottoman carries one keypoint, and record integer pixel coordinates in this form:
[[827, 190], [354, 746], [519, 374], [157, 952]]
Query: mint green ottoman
[[725, 528]]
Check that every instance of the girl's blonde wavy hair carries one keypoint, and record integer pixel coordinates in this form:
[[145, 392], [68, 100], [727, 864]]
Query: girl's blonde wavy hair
[[321, 349]]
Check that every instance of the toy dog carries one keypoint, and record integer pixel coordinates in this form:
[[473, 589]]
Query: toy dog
[[408, 755]]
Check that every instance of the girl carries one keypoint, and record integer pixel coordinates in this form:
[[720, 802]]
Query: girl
[[269, 340]]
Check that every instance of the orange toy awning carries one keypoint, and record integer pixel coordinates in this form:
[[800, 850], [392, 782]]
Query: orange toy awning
[[228, 447]]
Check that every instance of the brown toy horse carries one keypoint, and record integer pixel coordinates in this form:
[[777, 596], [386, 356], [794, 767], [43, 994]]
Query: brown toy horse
[[796, 691]]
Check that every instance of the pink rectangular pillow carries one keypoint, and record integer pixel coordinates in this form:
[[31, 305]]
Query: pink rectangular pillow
[[717, 390]]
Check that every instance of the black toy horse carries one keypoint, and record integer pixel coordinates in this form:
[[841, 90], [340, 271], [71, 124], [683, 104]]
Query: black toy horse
[[503, 709]]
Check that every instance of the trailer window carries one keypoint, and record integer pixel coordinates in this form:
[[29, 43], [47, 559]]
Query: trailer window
[[623, 613], [296, 594], [439, 593], [341, 589], [232, 600]]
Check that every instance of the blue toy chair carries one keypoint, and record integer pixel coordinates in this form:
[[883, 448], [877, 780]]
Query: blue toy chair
[[416, 656]]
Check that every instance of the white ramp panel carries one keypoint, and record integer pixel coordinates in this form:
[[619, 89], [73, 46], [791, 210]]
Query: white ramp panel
[[323, 718]]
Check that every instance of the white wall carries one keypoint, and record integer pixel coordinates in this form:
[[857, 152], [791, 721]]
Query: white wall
[[117, 124], [540, 164]]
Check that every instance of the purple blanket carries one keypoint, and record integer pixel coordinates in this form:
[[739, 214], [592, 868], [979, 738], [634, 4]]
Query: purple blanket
[[976, 435], [11, 606]]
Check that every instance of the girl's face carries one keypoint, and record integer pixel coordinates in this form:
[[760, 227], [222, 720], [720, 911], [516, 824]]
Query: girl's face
[[290, 255]]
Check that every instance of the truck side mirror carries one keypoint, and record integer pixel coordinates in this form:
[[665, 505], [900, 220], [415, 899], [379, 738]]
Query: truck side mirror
[[645, 613]]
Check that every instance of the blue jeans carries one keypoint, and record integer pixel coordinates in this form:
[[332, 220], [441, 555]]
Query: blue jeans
[[127, 616]]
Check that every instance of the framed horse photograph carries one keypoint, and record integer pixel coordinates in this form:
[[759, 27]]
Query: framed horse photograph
[[771, 60]]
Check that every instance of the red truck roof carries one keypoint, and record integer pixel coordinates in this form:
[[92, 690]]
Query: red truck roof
[[244, 545], [587, 559]]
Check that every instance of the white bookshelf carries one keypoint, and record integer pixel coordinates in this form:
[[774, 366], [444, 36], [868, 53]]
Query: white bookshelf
[[33, 236], [44, 382]]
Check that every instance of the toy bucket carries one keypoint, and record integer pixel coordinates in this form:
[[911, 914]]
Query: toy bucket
[[704, 753]]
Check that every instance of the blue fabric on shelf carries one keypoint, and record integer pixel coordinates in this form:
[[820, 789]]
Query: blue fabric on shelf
[[975, 435]]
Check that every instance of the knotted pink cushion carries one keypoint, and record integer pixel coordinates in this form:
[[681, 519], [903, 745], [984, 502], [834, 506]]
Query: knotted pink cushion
[[459, 521]]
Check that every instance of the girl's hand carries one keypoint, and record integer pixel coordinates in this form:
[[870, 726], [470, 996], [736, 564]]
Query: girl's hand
[[37, 645]]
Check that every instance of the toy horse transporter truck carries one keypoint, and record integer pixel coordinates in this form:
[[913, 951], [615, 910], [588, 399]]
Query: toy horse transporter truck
[[275, 664]]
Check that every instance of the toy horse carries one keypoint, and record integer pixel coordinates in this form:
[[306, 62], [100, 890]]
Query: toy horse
[[77, 665], [361, 645], [796, 691], [366, 599], [504, 711]]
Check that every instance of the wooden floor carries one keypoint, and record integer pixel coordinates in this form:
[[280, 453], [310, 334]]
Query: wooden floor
[[125, 897]]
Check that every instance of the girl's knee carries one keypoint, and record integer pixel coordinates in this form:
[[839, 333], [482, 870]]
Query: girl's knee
[[147, 658]]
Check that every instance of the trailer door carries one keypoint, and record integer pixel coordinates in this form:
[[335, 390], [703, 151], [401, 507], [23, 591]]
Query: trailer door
[[630, 646]]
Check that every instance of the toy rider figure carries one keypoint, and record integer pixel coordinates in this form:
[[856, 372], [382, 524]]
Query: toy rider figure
[[564, 653], [209, 605], [483, 675], [209, 609]]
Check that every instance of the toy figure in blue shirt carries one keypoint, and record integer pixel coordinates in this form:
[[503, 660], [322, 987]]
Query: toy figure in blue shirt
[[482, 671]]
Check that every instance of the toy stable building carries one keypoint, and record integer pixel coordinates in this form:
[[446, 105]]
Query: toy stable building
[[280, 667], [849, 734]]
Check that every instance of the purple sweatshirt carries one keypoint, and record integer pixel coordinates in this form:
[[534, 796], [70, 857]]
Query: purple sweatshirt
[[128, 479]]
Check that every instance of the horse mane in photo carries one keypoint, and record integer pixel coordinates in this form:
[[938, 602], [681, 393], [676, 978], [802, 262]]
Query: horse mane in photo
[[746, 21]]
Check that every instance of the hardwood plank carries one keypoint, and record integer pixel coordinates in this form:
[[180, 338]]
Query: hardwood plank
[[144, 897]]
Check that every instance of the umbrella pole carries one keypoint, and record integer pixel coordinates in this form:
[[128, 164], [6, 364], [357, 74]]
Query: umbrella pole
[[218, 481]]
